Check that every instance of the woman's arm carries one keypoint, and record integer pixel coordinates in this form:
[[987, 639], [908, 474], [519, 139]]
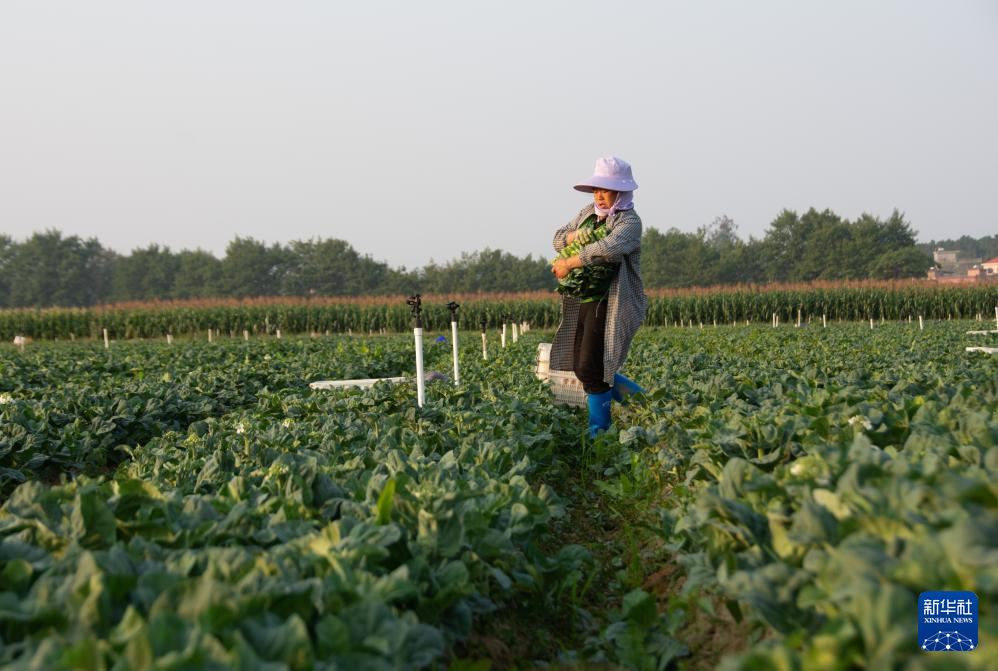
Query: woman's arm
[[561, 236], [563, 267], [624, 239], [566, 234]]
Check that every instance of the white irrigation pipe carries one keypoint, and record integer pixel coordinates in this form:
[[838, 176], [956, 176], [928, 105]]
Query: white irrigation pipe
[[107, 343], [485, 351], [420, 382], [417, 332], [457, 373], [996, 317], [502, 338], [516, 333], [921, 323], [452, 306]]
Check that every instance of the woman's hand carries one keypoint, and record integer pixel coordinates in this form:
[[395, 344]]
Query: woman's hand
[[563, 267], [570, 237]]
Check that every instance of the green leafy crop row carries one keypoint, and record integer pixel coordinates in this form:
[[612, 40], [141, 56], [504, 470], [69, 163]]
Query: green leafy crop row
[[197, 506], [296, 529], [821, 479]]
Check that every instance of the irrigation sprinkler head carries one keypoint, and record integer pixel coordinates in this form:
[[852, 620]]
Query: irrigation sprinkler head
[[452, 306], [484, 322], [416, 303]]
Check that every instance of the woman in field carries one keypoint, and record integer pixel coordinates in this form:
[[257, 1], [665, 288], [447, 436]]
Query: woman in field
[[603, 300]]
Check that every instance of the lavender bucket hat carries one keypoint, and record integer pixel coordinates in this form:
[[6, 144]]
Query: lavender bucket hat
[[610, 173]]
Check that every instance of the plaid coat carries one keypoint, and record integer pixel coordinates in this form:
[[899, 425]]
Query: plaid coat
[[627, 302]]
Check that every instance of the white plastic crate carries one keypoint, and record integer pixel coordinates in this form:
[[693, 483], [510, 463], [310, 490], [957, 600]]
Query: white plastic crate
[[543, 361], [360, 384], [566, 388]]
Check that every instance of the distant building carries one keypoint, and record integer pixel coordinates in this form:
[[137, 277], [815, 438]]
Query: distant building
[[946, 258], [952, 266], [990, 266]]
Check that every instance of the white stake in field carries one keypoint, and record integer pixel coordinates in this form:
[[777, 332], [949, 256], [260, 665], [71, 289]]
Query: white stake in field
[[485, 351], [452, 306], [415, 302]]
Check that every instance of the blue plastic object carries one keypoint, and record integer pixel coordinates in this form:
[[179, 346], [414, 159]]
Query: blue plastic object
[[624, 387], [599, 412]]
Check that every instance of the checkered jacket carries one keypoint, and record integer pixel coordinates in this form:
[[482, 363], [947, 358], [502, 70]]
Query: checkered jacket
[[627, 302]]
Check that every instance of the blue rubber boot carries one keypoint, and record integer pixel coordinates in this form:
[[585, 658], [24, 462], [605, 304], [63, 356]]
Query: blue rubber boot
[[599, 412], [624, 387]]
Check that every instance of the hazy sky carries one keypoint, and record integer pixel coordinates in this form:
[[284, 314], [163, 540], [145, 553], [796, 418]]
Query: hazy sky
[[424, 129]]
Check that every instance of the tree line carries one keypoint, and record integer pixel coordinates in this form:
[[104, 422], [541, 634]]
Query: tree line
[[49, 269], [816, 245]]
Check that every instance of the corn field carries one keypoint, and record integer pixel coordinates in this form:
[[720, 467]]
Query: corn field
[[854, 301]]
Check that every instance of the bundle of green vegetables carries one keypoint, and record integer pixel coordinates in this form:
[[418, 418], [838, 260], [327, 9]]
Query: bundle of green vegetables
[[588, 279]]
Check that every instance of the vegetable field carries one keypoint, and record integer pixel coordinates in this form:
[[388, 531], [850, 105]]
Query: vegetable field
[[778, 500]]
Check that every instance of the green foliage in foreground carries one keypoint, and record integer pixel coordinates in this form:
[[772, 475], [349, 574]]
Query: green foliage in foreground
[[300, 530], [821, 479], [813, 480]]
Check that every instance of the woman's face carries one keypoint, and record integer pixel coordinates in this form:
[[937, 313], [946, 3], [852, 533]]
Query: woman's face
[[604, 198]]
